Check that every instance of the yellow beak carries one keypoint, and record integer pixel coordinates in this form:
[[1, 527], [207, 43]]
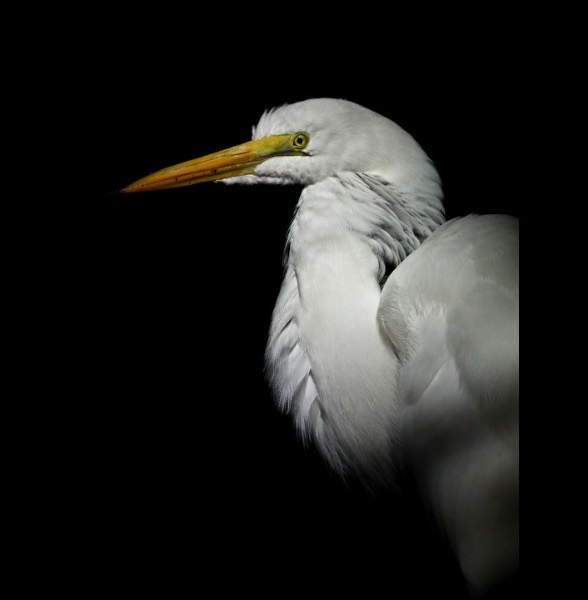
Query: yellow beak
[[238, 160]]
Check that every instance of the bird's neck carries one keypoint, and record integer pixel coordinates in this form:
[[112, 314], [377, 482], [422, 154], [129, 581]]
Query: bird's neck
[[328, 360], [392, 220]]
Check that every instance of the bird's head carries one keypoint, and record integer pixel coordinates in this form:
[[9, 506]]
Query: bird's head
[[304, 143]]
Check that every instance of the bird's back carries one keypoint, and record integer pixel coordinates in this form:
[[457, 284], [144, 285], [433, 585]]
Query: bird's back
[[450, 310]]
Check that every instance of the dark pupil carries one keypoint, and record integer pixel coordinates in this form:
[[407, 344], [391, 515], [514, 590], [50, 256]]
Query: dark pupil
[[299, 140]]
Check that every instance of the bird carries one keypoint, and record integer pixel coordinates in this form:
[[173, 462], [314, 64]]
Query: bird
[[393, 343]]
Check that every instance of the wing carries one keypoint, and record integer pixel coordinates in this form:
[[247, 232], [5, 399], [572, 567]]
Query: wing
[[451, 312]]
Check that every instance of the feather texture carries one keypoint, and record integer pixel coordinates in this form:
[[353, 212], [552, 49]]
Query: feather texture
[[325, 349], [394, 340]]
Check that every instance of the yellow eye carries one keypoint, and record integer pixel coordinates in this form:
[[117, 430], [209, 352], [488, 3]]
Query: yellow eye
[[300, 140]]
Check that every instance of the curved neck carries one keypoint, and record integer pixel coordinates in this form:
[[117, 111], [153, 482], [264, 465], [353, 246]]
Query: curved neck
[[328, 360]]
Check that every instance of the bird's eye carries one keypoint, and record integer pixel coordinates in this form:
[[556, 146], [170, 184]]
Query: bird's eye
[[300, 140]]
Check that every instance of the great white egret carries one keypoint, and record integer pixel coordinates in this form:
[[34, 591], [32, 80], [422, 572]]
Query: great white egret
[[394, 340]]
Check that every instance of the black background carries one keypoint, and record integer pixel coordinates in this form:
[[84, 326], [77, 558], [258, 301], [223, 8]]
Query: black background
[[187, 472]]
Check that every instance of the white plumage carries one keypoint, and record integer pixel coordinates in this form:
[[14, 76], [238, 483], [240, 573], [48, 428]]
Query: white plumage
[[394, 340]]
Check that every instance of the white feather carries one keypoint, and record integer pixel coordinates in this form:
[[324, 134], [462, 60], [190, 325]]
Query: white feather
[[394, 340]]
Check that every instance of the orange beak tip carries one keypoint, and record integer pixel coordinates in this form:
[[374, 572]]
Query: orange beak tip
[[130, 189]]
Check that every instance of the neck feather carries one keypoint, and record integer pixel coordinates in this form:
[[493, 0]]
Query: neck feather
[[328, 361]]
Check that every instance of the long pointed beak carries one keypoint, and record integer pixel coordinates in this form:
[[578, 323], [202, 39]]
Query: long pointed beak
[[238, 160]]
